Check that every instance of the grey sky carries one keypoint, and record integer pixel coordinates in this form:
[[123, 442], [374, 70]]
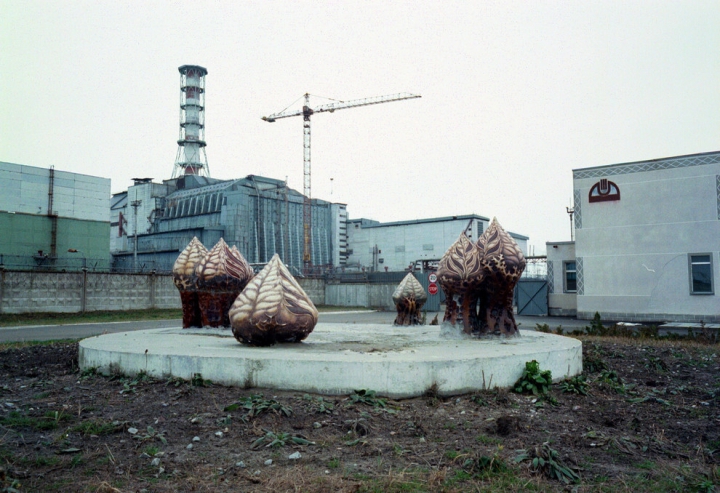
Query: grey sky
[[514, 95]]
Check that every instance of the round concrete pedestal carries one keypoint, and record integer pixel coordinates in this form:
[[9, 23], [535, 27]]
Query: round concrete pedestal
[[337, 359]]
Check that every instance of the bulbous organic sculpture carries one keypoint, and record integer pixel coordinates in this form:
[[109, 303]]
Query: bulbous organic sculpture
[[460, 275], [503, 263], [221, 275], [272, 308], [186, 281], [409, 297]]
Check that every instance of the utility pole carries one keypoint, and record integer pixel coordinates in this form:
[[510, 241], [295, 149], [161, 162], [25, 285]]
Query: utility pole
[[135, 204], [571, 211]]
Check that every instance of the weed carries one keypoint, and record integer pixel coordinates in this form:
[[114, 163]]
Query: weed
[[611, 379], [76, 461], [151, 450], [257, 404], [333, 463], [593, 363], [648, 332], [360, 426], [487, 465], [651, 397], [320, 404], [89, 372], [547, 460], [486, 440], [367, 397], [478, 399], [596, 327], [533, 380], [198, 381], [280, 439], [452, 454], [575, 385], [175, 381], [656, 364], [543, 328], [151, 434]]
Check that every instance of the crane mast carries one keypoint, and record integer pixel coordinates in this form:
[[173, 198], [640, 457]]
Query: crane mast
[[306, 112]]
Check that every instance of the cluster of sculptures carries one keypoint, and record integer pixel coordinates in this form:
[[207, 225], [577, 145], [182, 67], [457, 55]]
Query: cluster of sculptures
[[478, 280], [218, 288]]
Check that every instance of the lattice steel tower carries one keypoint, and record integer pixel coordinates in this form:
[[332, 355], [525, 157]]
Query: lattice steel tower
[[191, 158]]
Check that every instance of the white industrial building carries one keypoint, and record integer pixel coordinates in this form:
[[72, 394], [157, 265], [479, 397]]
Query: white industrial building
[[421, 243], [647, 243]]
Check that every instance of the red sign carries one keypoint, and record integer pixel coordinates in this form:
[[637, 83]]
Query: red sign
[[432, 288]]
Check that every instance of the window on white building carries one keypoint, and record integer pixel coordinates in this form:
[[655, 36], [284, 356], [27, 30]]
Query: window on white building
[[701, 273], [570, 274]]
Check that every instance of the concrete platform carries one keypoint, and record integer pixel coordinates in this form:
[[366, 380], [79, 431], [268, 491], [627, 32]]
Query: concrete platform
[[337, 359]]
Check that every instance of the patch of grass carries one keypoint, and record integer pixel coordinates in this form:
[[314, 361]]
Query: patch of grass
[[97, 427], [486, 440], [451, 454], [646, 464], [23, 344], [21, 319], [49, 421], [333, 463]]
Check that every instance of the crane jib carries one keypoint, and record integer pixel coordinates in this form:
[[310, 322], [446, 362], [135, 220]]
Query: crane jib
[[306, 112]]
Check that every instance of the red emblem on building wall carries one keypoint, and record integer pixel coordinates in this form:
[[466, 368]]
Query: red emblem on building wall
[[604, 190]]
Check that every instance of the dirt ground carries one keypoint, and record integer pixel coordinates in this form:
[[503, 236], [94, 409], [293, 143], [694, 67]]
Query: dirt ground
[[650, 422]]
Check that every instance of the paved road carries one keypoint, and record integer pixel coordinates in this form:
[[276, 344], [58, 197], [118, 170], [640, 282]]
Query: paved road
[[79, 331]]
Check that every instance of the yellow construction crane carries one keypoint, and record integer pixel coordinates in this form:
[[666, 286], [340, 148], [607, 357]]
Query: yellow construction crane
[[306, 112]]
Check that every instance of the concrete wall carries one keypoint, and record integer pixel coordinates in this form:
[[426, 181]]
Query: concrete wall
[[314, 288], [365, 295], [632, 253], [561, 302], [27, 292]]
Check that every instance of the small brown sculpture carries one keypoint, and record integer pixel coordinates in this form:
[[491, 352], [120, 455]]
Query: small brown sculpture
[[460, 275], [503, 263], [186, 282], [409, 297], [221, 275], [272, 308]]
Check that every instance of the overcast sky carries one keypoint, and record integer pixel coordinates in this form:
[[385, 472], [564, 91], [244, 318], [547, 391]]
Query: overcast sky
[[515, 95]]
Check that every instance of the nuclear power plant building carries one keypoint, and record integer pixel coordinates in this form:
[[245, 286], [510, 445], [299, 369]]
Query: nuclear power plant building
[[260, 215]]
